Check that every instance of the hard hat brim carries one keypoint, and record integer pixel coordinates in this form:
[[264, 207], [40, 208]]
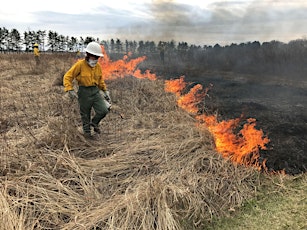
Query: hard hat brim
[[93, 53]]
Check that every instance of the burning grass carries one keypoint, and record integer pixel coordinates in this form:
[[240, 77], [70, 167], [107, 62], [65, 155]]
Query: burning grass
[[152, 168]]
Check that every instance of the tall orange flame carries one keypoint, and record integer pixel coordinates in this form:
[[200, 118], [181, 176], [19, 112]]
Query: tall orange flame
[[175, 86], [243, 147], [192, 99]]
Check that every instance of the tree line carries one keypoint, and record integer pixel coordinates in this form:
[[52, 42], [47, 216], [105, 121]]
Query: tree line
[[272, 57], [13, 41], [250, 57]]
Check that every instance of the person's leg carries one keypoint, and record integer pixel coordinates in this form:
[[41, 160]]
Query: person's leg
[[37, 60], [101, 110], [85, 103]]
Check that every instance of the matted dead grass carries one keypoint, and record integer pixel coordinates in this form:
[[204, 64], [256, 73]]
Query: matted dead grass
[[151, 168]]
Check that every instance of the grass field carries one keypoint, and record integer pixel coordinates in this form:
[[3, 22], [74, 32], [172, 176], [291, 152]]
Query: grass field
[[279, 205], [151, 168]]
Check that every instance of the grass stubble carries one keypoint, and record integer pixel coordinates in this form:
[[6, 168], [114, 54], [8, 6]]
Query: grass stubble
[[150, 168]]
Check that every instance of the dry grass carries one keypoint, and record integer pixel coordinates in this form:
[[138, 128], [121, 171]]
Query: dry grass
[[153, 169]]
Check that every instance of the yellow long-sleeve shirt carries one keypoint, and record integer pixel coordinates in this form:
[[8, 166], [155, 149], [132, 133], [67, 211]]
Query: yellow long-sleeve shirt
[[85, 76], [36, 51]]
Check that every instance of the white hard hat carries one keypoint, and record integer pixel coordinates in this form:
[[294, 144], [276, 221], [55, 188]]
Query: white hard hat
[[94, 49]]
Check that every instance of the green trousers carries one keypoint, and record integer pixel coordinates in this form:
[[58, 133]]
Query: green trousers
[[89, 97]]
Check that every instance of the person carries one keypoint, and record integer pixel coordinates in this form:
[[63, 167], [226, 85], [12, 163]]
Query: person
[[36, 53], [78, 55], [92, 92]]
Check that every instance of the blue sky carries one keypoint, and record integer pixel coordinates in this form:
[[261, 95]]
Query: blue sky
[[206, 22]]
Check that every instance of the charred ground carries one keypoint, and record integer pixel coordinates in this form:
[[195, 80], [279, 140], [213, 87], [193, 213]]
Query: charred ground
[[277, 102]]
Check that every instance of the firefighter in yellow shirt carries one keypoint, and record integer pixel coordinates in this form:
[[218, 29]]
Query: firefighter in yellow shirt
[[92, 92], [78, 55], [36, 53]]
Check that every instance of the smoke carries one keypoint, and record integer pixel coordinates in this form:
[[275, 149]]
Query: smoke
[[205, 23], [274, 20], [169, 20], [220, 22]]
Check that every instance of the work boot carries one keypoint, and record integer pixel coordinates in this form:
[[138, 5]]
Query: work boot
[[96, 128], [88, 136]]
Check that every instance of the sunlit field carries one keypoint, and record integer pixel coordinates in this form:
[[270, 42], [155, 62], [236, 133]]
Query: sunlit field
[[156, 165]]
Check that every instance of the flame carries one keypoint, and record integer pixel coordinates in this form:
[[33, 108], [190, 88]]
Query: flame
[[242, 147], [189, 101], [123, 67], [192, 99], [151, 76], [175, 86]]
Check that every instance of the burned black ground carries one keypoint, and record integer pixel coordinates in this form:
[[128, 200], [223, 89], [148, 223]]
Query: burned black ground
[[278, 104]]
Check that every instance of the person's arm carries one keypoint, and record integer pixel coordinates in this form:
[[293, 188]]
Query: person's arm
[[103, 87], [69, 76], [101, 84]]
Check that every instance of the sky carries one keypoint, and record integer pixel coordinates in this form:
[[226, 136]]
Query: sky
[[199, 22]]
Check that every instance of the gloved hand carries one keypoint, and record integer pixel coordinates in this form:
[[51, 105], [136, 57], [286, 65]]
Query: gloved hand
[[72, 94], [107, 96]]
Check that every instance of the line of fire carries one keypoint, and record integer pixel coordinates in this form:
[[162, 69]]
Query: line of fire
[[240, 145]]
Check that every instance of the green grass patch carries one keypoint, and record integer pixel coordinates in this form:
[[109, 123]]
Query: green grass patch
[[280, 204]]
